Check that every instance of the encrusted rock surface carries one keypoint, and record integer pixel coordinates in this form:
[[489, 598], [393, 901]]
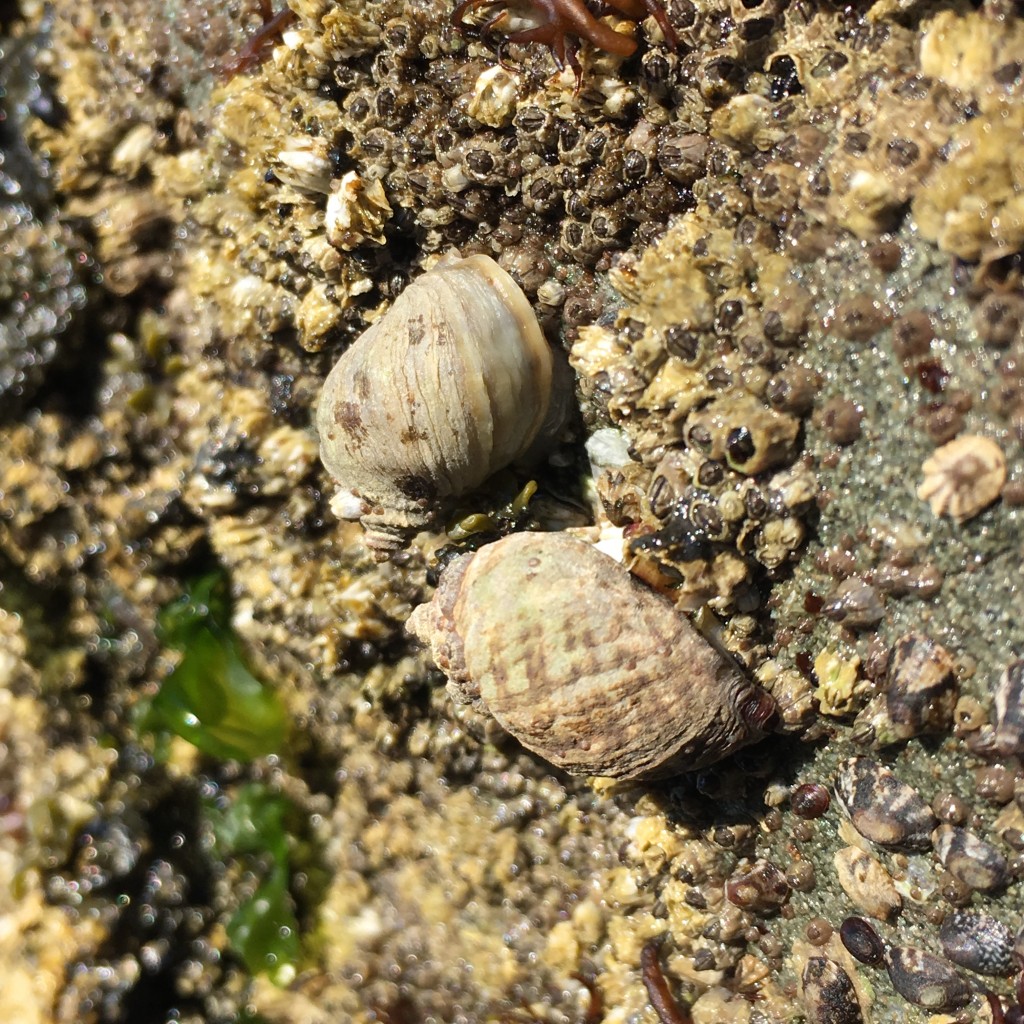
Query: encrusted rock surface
[[785, 261]]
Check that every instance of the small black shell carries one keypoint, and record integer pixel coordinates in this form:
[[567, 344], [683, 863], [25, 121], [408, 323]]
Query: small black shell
[[978, 942], [971, 860], [829, 994], [861, 940], [926, 980], [1009, 711], [811, 800]]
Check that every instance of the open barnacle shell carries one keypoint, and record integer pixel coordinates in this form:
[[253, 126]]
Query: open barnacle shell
[[450, 385], [583, 664]]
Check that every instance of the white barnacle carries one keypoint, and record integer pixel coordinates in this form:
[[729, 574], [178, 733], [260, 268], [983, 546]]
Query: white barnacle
[[357, 210], [963, 477]]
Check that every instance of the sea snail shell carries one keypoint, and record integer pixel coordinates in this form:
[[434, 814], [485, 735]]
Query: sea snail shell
[[450, 385], [583, 664]]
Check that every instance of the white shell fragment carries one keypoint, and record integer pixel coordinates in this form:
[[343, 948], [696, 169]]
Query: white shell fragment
[[583, 664], [452, 384], [357, 211], [963, 477]]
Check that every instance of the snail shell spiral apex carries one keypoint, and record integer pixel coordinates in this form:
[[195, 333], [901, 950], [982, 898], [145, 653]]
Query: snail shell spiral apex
[[450, 385], [583, 664]]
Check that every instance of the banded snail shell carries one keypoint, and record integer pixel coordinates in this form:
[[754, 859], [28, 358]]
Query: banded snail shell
[[450, 385], [583, 664]]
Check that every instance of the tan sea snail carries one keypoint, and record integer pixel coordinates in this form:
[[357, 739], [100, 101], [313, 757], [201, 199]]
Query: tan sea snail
[[583, 664], [450, 385]]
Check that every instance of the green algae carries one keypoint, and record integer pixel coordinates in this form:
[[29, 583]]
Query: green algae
[[213, 699], [250, 829]]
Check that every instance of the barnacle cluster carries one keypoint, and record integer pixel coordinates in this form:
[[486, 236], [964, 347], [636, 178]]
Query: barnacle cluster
[[784, 253]]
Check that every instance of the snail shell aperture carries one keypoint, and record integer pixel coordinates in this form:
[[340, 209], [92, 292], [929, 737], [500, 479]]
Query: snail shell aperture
[[583, 664], [449, 386]]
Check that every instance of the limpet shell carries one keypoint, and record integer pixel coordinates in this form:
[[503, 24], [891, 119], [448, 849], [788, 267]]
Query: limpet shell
[[583, 664], [1009, 711], [452, 384], [925, 979]]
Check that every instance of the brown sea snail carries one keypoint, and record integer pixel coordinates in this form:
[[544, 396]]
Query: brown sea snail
[[450, 385], [583, 664]]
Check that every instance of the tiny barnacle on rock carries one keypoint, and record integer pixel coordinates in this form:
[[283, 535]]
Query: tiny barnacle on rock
[[963, 477], [840, 418]]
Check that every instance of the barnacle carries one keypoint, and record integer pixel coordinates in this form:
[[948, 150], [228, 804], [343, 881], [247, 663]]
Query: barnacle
[[963, 477], [559, 23]]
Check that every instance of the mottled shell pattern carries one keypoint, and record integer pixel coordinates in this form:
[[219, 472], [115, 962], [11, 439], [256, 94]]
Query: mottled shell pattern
[[583, 664], [450, 385]]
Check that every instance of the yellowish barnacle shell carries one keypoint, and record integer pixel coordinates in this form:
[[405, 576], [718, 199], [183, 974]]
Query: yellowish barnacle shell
[[963, 477], [450, 385], [583, 664], [357, 210]]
